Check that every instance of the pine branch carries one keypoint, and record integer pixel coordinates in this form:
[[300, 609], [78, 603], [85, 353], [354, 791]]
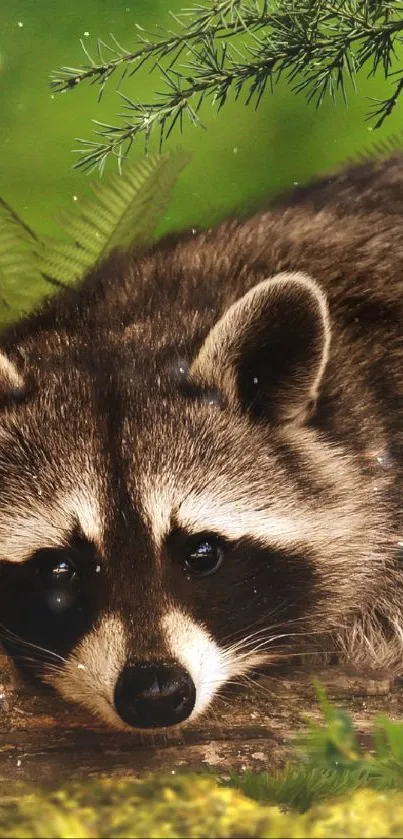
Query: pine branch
[[212, 22], [243, 47]]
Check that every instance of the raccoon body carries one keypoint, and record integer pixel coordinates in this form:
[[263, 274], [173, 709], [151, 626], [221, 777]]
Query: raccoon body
[[201, 457]]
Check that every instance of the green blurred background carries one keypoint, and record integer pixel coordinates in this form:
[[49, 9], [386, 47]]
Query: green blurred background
[[242, 157]]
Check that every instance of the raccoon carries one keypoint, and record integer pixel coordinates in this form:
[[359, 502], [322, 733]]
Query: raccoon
[[201, 457]]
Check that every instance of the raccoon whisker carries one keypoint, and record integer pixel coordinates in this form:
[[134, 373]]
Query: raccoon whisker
[[252, 683], [49, 669], [257, 623], [212, 712], [22, 642], [252, 636], [30, 661], [43, 660], [40, 655], [249, 641], [289, 654], [264, 619], [276, 626], [248, 648], [275, 654]]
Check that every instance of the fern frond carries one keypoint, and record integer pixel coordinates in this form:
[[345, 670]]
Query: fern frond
[[126, 212], [21, 281]]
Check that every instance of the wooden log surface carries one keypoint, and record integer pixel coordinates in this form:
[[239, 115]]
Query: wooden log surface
[[43, 738]]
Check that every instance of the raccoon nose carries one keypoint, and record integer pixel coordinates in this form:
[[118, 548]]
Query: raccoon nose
[[153, 696]]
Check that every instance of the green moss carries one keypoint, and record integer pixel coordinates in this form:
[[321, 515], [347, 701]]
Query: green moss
[[188, 806], [365, 813]]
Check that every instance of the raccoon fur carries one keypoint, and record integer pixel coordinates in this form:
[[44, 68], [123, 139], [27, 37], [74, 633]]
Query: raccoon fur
[[201, 457]]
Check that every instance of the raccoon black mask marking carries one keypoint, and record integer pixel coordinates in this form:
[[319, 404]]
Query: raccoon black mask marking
[[191, 457]]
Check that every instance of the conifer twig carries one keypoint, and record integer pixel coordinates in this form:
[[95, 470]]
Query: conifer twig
[[242, 47]]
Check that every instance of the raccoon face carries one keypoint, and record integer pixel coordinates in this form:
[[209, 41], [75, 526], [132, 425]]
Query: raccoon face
[[167, 529]]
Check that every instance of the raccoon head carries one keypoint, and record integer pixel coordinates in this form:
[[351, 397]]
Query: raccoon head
[[166, 526]]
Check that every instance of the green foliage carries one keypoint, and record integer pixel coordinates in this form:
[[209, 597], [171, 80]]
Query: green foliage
[[124, 214], [331, 762], [299, 787], [237, 46], [21, 282]]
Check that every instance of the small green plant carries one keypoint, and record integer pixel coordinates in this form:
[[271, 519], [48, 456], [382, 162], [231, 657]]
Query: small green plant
[[330, 762], [124, 213]]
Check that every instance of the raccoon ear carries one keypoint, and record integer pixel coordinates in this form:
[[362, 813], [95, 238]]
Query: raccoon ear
[[268, 352], [11, 381]]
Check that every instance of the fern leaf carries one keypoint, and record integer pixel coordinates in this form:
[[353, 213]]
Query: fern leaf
[[64, 262], [21, 282], [125, 213]]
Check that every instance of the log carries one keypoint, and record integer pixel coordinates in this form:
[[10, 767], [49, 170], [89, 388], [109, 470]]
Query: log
[[45, 739]]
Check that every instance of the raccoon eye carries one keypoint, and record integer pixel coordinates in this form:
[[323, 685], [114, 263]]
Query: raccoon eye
[[58, 579], [59, 573], [204, 557]]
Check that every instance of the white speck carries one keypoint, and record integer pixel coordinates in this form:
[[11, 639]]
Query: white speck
[[400, 544], [80, 667], [52, 96], [75, 197], [253, 716], [235, 149], [58, 599], [20, 24], [19, 762], [255, 380], [194, 231], [255, 591], [173, 771], [295, 183], [98, 568], [39, 492], [86, 34], [376, 489], [370, 128]]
